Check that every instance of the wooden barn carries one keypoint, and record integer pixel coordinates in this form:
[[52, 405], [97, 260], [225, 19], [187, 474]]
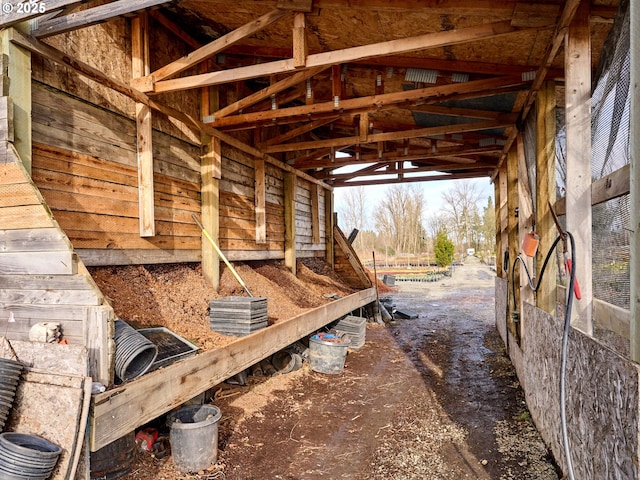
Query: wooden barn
[[122, 120]]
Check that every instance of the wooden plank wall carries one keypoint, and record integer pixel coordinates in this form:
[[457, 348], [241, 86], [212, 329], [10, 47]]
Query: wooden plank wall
[[85, 165], [237, 209], [307, 219], [41, 278]]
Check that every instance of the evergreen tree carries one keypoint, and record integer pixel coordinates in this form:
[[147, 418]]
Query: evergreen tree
[[443, 248]]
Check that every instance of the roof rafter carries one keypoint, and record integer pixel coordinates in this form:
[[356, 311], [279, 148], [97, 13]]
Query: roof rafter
[[403, 179], [404, 45], [439, 93], [92, 16], [395, 156], [210, 49], [383, 137]]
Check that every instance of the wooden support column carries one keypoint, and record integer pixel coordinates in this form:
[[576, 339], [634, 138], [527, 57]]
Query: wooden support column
[[140, 68], [290, 182], [300, 47], [512, 231], [260, 200], [315, 214], [19, 89], [635, 182], [498, 226], [546, 192], [525, 222], [329, 223], [503, 218], [578, 115], [211, 172]]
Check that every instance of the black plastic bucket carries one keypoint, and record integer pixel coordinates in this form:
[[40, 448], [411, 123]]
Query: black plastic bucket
[[115, 459], [134, 352], [27, 457], [194, 437], [10, 372]]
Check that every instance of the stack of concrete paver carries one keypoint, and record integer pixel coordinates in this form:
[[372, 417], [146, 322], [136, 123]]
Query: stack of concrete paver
[[238, 315], [355, 327]]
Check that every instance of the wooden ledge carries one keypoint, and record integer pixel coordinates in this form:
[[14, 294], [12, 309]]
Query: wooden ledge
[[119, 411]]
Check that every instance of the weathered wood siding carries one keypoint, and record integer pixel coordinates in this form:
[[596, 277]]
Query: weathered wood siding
[[305, 244], [41, 278], [85, 165], [237, 209]]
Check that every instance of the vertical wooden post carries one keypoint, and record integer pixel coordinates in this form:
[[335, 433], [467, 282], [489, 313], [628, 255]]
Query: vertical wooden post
[[19, 74], [260, 200], [328, 216], [300, 47], [578, 105], [635, 182], [546, 191], [315, 214], [498, 229], [504, 217], [525, 221], [512, 208], [211, 173], [139, 68], [290, 185]]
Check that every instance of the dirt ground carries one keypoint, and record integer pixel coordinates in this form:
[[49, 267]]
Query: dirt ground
[[432, 397]]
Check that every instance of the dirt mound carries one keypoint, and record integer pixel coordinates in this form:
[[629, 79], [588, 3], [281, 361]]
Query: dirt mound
[[176, 296]]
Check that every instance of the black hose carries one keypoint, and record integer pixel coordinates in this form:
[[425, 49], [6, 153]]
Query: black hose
[[563, 359], [565, 334]]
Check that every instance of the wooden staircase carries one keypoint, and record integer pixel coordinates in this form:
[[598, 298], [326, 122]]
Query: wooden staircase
[[41, 277]]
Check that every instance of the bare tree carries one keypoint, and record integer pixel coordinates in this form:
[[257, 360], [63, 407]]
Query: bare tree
[[354, 214], [399, 218], [461, 206]]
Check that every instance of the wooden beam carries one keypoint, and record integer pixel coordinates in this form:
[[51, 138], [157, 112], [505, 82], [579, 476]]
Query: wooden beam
[[635, 181], [525, 224], [290, 187], [405, 45], [435, 94], [16, 75], [315, 214], [118, 411], [512, 232], [35, 46], [295, 132], [426, 178], [383, 137], [261, 200], [610, 186], [17, 15], [300, 45], [211, 172], [216, 46], [498, 232], [557, 40], [379, 169], [412, 155], [46, 51], [329, 224], [546, 191], [578, 138], [144, 132], [266, 92], [92, 16]]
